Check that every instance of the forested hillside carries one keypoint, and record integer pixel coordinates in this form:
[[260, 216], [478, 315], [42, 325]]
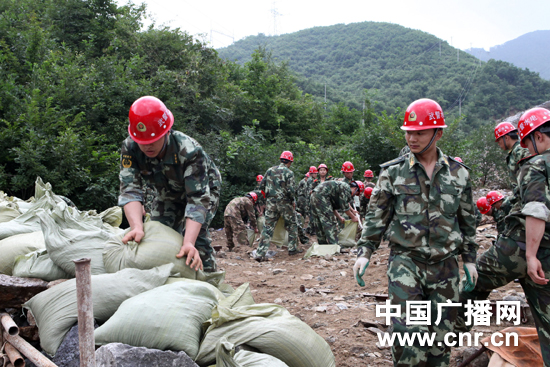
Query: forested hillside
[[401, 65], [531, 51], [70, 69]]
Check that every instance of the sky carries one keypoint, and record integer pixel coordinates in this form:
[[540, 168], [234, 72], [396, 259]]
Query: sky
[[463, 24]]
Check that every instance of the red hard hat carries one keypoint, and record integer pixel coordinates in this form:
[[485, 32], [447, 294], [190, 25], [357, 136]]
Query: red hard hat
[[530, 120], [493, 197], [368, 173], [259, 178], [312, 169], [423, 114], [458, 159], [287, 155], [361, 186], [253, 195], [307, 174], [149, 120], [347, 167], [483, 205], [368, 192], [503, 128], [322, 165]]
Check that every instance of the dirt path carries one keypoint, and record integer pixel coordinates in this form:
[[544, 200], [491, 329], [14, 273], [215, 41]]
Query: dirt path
[[332, 303]]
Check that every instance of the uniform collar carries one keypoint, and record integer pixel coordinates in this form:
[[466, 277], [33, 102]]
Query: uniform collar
[[171, 156], [441, 159]]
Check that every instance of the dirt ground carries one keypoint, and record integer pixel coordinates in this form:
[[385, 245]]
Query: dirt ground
[[330, 301]]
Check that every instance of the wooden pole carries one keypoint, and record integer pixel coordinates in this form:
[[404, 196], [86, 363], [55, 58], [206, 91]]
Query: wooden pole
[[85, 304]]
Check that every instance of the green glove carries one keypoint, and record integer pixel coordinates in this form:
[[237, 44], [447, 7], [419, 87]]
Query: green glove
[[471, 276], [359, 268]]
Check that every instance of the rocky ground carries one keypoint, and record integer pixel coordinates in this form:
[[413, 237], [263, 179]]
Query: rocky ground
[[323, 293]]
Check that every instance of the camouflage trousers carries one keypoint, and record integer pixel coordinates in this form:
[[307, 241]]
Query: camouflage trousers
[[500, 265], [235, 231], [300, 222], [324, 220], [412, 280], [274, 210], [173, 215]]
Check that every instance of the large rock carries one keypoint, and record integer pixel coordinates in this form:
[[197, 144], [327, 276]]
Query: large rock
[[122, 355], [15, 291]]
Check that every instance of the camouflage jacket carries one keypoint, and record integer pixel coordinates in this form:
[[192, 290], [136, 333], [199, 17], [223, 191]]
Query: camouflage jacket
[[303, 188], [431, 220], [279, 183], [337, 192], [317, 182], [534, 199], [182, 176], [515, 154], [243, 208], [500, 214]]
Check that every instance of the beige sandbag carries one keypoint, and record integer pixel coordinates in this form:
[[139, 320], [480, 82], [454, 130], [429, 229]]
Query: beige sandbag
[[269, 328], [8, 211], [18, 245], [346, 237], [159, 246], [280, 235], [38, 264], [166, 318], [322, 250], [55, 310]]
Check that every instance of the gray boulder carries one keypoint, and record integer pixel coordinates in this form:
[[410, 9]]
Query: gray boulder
[[122, 355]]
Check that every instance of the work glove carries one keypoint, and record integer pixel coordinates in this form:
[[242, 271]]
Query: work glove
[[471, 276], [359, 269]]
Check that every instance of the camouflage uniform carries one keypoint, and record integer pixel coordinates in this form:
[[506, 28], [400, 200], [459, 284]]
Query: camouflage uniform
[[185, 184], [302, 207], [506, 261], [237, 212], [405, 150], [327, 197], [500, 214], [364, 201], [428, 223], [318, 181], [280, 192], [515, 155], [260, 202]]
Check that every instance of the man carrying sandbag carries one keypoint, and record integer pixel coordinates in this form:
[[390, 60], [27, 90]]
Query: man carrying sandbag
[[186, 181], [325, 201], [236, 213]]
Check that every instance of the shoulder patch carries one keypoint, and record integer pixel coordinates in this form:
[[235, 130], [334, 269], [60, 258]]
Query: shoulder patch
[[393, 161], [462, 164], [522, 161]]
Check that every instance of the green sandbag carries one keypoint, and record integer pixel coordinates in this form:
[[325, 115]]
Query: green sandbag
[[321, 250], [112, 216], [219, 293], [72, 235], [251, 235], [226, 357], [159, 246], [38, 264], [346, 237], [166, 318], [55, 310], [18, 245], [280, 235], [269, 328]]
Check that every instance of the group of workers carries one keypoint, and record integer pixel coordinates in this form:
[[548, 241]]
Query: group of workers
[[422, 204]]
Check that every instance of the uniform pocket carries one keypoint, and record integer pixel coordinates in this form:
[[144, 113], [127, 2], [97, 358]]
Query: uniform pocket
[[408, 199]]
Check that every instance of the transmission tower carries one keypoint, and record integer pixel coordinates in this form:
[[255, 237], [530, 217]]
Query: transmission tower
[[275, 14]]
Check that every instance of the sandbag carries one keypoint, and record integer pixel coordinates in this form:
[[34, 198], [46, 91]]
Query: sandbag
[[17, 245], [112, 216], [346, 237], [226, 357], [219, 293], [280, 235], [8, 211], [38, 264], [269, 328], [159, 246], [72, 235], [55, 310], [322, 250], [166, 318], [251, 236]]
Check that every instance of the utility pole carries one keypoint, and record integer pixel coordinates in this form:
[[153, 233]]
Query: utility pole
[[460, 107], [325, 96], [275, 15]]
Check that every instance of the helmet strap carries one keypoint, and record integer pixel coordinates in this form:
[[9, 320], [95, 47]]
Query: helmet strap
[[163, 145], [505, 142], [532, 136], [431, 142]]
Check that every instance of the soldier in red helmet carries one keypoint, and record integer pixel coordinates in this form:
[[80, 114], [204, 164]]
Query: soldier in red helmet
[[186, 182]]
